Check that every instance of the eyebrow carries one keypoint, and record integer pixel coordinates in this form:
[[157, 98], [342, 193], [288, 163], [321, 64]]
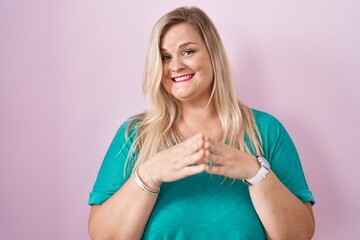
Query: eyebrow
[[180, 46]]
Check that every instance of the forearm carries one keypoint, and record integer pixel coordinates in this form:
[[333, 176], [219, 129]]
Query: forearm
[[124, 215], [283, 215]]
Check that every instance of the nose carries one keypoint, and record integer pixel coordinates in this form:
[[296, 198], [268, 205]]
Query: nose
[[176, 64]]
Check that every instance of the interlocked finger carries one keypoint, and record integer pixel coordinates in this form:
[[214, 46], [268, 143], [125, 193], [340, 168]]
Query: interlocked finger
[[213, 158], [193, 158], [214, 169], [214, 147], [189, 146], [195, 145], [191, 170]]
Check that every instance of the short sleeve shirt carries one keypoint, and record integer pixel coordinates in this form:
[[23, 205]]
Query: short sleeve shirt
[[205, 206]]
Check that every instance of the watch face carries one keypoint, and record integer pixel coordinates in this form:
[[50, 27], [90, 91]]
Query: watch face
[[264, 162]]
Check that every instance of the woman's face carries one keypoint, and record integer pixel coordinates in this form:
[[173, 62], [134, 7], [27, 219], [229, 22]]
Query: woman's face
[[187, 69]]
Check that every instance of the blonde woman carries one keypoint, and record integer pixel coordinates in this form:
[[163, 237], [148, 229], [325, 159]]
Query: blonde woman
[[198, 164]]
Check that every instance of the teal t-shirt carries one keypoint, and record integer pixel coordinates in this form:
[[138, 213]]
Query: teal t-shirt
[[203, 206]]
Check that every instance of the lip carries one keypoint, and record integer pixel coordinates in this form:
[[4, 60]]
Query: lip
[[185, 80]]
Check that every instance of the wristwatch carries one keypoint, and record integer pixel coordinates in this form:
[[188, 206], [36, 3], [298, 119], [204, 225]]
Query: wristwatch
[[260, 175]]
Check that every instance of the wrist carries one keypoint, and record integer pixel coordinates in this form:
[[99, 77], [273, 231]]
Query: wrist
[[143, 186], [261, 174], [253, 167], [145, 176]]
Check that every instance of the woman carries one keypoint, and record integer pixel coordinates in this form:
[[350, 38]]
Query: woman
[[195, 143]]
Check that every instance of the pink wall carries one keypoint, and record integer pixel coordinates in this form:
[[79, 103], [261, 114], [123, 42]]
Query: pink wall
[[70, 73]]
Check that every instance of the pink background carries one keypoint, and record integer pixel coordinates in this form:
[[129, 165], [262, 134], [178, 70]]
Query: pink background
[[71, 71]]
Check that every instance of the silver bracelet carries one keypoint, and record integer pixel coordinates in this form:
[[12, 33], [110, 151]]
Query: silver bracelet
[[143, 186]]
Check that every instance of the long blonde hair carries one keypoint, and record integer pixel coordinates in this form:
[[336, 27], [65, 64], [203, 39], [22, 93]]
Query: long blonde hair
[[156, 130]]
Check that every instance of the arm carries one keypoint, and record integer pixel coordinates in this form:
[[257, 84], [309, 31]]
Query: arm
[[125, 214], [283, 215]]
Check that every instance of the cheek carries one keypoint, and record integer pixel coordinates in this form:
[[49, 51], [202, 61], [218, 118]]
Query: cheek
[[165, 70], [211, 73], [207, 72], [164, 78], [203, 63], [210, 70], [166, 83]]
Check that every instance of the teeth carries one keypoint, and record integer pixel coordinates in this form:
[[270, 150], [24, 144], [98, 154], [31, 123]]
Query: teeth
[[183, 78]]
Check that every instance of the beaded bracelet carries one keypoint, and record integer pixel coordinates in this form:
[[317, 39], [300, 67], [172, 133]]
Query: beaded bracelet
[[143, 186]]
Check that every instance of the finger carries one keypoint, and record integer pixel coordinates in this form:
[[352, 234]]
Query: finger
[[204, 158], [192, 170], [193, 144], [214, 147], [195, 139], [218, 170], [187, 147], [201, 161], [193, 158], [213, 158]]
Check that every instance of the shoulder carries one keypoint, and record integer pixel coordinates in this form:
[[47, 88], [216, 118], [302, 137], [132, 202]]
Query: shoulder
[[275, 138], [129, 127], [266, 121], [270, 128]]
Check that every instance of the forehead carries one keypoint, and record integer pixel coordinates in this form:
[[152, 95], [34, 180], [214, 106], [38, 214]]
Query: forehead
[[180, 34]]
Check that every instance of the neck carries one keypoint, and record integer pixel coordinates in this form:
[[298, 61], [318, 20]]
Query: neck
[[197, 113], [199, 118]]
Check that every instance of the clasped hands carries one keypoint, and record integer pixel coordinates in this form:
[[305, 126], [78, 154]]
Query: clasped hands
[[191, 157]]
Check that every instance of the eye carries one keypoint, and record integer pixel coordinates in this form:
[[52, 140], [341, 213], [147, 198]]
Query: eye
[[188, 52], [165, 58]]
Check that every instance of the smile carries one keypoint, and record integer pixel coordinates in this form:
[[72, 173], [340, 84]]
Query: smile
[[183, 78]]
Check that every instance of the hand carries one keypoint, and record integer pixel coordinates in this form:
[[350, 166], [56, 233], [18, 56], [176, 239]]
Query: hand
[[176, 162], [229, 162]]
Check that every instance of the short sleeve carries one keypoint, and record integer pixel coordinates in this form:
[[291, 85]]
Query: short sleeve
[[111, 174], [282, 155]]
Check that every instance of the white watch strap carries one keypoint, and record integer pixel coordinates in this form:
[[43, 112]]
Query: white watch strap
[[260, 175]]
